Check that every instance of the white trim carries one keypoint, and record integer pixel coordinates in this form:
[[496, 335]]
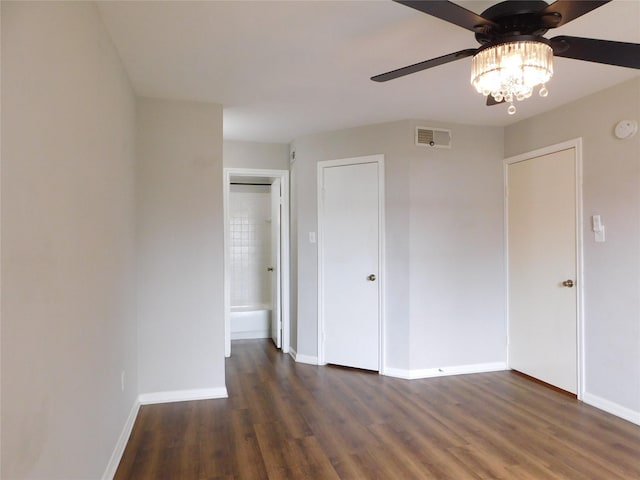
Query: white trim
[[398, 373], [580, 273], [320, 260], [118, 450], [147, 399], [283, 175], [250, 334], [226, 261], [379, 159], [445, 371], [182, 395], [303, 358], [285, 262], [308, 359], [611, 407], [382, 266], [575, 144]]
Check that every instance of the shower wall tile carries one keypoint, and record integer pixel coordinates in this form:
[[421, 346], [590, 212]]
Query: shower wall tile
[[250, 232]]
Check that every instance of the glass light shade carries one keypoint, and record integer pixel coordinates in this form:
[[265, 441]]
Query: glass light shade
[[510, 71]]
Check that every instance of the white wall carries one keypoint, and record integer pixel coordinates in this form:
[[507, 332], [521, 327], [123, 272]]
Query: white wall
[[611, 172], [257, 155], [443, 210], [180, 245], [68, 226], [456, 236]]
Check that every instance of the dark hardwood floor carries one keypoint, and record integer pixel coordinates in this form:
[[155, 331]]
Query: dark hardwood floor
[[284, 420]]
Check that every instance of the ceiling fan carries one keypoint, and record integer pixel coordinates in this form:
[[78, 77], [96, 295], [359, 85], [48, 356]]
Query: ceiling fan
[[514, 57]]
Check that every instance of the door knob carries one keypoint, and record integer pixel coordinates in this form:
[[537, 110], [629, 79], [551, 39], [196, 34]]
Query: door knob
[[568, 283], [371, 278], [269, 269]]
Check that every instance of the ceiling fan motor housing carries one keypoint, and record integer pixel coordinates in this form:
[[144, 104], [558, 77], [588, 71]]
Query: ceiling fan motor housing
[[515, 18]]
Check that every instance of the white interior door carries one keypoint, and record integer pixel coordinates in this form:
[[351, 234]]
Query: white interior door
[[276, 298], [542, 268], [350, 265]]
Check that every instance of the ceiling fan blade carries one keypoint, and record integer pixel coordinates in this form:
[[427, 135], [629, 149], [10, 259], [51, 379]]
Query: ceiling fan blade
[[450, 12], [561, 12], [621, 54], [417, 67]]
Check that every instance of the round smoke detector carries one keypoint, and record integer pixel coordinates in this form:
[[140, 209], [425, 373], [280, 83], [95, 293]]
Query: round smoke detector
[[626, 129]]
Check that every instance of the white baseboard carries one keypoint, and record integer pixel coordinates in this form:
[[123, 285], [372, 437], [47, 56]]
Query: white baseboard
[[182, 395], [147, 399], [116, 456], [302, 358], [611, 407], [247, 335], [397, 373], [444, 371]]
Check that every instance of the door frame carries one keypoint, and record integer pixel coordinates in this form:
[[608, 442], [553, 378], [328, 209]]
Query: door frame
[[379, 159], [576, 144], [266, 174], [276, 251]]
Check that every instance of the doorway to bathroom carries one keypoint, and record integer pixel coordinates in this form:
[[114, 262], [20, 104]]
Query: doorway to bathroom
[[256, 256]]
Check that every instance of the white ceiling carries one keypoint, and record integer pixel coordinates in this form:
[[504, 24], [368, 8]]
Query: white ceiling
[[286, 69]]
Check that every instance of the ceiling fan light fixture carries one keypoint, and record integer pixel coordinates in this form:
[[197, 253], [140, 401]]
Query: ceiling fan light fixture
[[510, 70]]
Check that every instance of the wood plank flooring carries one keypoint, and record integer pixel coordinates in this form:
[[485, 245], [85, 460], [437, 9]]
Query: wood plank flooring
[[284, 420]]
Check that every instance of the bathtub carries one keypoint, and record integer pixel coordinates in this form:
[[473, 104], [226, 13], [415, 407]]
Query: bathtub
[[250, 322]]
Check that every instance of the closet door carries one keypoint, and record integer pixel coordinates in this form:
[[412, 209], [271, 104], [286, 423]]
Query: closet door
[[350, 252], [542, 268]]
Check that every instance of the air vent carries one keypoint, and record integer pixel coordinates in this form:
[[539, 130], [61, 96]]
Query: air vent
[[433, 137]]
